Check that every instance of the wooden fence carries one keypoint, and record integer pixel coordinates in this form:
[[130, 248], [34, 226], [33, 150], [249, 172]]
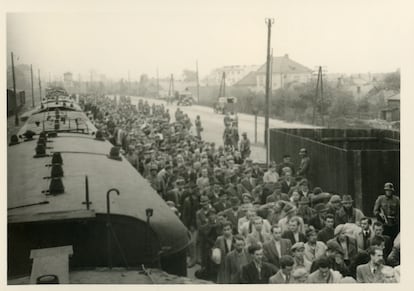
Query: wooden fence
[[345, 161]]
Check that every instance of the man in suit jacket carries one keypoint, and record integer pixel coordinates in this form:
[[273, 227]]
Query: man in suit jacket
[[248, 182], [378, 231], [233, 214], [225, 243], [364, 236], [276, 247], [324, 274], [327, 233], [304, 165], [371, 272], [222, 204], [348, 244], [235, 260], [257, 271], [259, 235], [283, 276], [293, 234]]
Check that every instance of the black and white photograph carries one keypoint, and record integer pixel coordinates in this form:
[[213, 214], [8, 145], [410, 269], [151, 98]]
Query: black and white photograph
[[206, 142]]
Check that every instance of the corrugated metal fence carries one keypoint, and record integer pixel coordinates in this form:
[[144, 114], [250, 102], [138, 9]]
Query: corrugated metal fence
[[345, 161]]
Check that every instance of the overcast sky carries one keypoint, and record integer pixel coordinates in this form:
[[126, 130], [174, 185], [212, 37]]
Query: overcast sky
[[345, 36]]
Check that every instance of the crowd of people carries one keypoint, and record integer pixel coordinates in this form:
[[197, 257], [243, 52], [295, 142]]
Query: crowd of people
[[248, 223]]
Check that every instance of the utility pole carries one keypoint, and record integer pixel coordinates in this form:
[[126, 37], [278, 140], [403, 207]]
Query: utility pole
[[40, 86], [16, 118], [31, 77], [198, 84], [269, 22], [318, 98]]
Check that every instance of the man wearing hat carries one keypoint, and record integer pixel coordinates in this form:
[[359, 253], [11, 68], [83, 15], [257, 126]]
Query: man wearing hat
[[222, 203], [153, 179], [334, 204], [305, 211], [347, 243], [387, 210], [318, 219], [304, 166], [248, 182], [227, 135], [245, 146], [277, 194], [233, 214], [300, 261], [347, 213], [202, 214], [284, 275], [335, 255], [208, 234]]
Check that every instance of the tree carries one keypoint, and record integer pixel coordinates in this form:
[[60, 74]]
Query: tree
[[392, 81]]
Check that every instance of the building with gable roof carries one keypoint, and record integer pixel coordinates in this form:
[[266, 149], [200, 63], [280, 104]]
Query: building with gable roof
[[285, 71]]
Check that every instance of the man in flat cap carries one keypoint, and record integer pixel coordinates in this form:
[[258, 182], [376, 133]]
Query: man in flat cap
[[347, 243]]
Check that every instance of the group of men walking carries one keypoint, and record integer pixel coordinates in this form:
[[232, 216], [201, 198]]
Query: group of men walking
[[250, 224]]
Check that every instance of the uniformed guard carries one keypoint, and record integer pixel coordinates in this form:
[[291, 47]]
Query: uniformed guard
[[198, 126], [245, 146], [387, 210], [235, 136], [227, 136]]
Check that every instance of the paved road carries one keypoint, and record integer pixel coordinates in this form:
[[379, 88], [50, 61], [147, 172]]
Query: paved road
[[214, 126]]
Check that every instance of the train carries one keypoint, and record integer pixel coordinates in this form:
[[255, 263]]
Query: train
[[77, 210]]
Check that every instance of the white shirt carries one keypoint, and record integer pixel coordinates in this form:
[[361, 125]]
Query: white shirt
[[278, 248], [229, 243], [296, 236]]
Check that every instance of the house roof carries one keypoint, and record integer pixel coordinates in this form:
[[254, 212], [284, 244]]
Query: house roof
[[248, 80], [395, 97], [285, 65]]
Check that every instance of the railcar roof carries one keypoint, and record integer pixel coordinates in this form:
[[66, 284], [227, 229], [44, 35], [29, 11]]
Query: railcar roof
[[84, 156], [46, 121]]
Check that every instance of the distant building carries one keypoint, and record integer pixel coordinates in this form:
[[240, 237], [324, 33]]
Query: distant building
[[358, 85], [233, 74], [249, 81], [285, 72], [392, 112]]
